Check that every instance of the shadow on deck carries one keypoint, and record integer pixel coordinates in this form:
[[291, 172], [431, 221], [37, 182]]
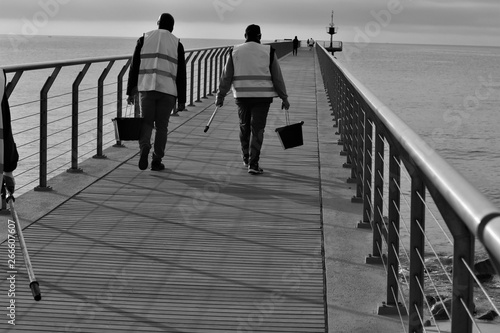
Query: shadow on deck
[[203, 246]]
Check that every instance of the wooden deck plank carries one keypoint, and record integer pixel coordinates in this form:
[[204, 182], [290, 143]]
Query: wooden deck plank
[[200, 247]]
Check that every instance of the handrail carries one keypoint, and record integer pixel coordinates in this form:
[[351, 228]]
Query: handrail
[[366, 125], [207, 61]]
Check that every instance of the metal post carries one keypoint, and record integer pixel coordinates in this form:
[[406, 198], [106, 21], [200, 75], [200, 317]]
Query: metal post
[[205, 74], [359, 148], [74, 120], [463, 250], [12, 84], [378, 199], [43, 130], [417, 217], [199, 76], [393, 220], [191, 99], [367, 176], [211, 75], [119, 96], [100, 110]]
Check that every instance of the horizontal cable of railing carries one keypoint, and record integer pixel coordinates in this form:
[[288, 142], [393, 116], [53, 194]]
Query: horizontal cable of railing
[[399, 175]]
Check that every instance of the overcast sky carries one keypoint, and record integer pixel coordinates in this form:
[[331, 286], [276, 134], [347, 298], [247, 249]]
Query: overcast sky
[[472, 22]]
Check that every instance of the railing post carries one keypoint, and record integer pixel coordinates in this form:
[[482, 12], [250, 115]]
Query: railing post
[[348, 129], [191, 94], [12, 84], [378, 224], [74, 120], [416, 276], [43, 130], [367, 175], [360, 150], [119, 96], [211, 90], [100, 110], [205, 73], [393, 236], [463, 254], [199, 76]]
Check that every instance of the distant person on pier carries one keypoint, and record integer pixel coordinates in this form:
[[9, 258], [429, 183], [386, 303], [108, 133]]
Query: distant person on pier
[[254, 74], [310, 43], [158, 74], [295, 46]]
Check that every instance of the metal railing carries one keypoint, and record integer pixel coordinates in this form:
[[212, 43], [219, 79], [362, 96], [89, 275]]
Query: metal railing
[[65, 124], [384, 154]]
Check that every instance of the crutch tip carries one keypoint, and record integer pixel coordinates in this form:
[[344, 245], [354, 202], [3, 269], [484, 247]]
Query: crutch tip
[[35, 290], [206, 129]]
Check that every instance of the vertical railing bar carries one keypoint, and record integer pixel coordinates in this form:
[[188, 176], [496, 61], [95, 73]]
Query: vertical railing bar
[[198, 94], [74, 119], [417, 242], [205, 73], [367, 174], [393, 220], [43, 130], [191, 94], [12, 84], [119, 95], [100, 109], [211, 75], [378, 182]]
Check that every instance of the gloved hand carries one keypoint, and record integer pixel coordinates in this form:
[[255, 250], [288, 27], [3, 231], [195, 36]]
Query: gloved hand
[[10, 182]]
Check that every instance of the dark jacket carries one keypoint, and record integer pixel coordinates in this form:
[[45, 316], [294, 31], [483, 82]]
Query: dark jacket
[[11, 156], [133, 75]]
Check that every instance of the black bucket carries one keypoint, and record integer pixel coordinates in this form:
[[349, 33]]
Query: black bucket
[[127, 129], [291, 135]]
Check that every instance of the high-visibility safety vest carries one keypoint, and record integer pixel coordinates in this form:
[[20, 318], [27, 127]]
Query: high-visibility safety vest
[[252, 75], [159, 58]]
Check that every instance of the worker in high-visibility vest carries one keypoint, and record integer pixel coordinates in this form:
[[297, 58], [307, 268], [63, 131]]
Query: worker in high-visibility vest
[[254, 74], [158, 74]]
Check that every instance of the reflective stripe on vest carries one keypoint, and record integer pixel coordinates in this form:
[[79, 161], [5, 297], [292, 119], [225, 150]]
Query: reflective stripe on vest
[[158, 67], [252, 76]]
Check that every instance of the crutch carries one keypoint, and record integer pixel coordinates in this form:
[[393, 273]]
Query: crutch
[[35, 287], [210, 120]]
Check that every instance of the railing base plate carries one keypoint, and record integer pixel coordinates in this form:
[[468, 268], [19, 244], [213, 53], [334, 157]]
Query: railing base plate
[[42, 189], [100, 157], [389, 310], [357, 200], [374, 260], [363, 225], [74, 170], [343, 153]]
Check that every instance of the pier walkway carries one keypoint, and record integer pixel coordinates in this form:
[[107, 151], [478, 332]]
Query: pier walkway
[[203, 246]]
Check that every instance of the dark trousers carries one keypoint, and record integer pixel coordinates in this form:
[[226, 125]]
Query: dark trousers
[[253, 117], [156, 108]]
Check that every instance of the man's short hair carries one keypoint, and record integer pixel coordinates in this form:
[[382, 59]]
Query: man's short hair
[[166, 22], [253, 30]]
